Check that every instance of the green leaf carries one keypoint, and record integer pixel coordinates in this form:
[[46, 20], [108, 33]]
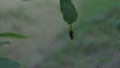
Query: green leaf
[[8, 63], [4, 43], [13, 35], [68, 10]]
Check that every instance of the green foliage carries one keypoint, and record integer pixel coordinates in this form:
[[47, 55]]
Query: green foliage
[[4, 62], [4, 43], [19, 13], [13, 35], [8, 63], [68, 10]]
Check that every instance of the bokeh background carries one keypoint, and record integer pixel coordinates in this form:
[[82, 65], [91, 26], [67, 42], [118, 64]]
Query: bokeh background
[[97, 34]]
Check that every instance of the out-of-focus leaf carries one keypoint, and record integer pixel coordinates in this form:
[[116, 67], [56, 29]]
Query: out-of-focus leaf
[[68, 10], [4, 43], [13, 35], [8, 63], [24, 65]]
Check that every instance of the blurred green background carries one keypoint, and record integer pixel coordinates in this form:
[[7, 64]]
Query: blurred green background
[[97, 34]]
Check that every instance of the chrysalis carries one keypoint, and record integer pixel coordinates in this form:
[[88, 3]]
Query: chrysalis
[[71, 32]]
